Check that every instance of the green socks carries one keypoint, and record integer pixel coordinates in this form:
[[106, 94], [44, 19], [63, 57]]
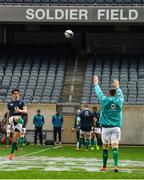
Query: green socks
[[105, 157], [14, 145], [21, 141], [7, 140], [80, 142], [115, 156], [87, 143]]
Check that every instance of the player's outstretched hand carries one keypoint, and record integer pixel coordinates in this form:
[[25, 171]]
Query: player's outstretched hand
[[95, 79], [116, 83]]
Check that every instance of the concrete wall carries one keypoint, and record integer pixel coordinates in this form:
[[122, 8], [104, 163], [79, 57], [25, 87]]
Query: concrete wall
[[132, 130]]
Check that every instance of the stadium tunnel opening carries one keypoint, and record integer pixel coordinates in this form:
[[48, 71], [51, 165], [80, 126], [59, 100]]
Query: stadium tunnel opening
[[120, 39]]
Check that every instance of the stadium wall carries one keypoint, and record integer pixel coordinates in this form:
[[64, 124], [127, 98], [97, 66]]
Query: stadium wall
[[132, 130]]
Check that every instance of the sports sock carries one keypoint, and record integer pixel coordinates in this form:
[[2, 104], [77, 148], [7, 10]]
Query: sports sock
[[105, 157], [115, 156], [14, 145], [21, 141], [87, 143], [92, 141], [80, 142], [7, 140]]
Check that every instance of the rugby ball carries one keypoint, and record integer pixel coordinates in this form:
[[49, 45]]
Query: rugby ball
[[69, 34]]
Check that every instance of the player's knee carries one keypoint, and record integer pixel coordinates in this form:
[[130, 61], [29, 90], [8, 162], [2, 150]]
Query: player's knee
[[8, 130], [115, 145], [105, 146], [16, 118]]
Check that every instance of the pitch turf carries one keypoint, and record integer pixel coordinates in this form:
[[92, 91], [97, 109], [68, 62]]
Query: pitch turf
[[64, 162]]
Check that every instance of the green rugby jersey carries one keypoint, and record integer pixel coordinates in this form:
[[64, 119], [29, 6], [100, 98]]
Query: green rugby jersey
[[111, 108]]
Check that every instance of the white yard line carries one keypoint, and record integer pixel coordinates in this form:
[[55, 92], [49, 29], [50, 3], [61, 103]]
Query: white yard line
[[56, 147]]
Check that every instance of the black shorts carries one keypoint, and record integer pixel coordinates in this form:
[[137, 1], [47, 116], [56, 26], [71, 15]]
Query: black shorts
[[25, 118], [16, 130]]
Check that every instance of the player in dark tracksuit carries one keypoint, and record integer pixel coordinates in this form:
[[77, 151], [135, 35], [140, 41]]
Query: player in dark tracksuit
[[38, 121], [57, 122], [86, 124], [16, 107]]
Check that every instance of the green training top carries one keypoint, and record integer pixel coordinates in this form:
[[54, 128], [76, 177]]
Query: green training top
[[20, 120], [111, 108]]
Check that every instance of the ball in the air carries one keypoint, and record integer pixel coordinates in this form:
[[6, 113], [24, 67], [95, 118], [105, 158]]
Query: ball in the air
[[69, 34]]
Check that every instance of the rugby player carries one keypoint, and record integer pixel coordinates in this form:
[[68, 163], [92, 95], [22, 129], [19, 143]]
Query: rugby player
[[110, 120], [15, 123], [76, 127], [86, 124], [16, 107], [96, 135]]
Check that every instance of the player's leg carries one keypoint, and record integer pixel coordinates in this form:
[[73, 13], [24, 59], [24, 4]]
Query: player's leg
[[8, 132], [115, 138], [40, 135], [60, 135], [105, 152], [22, 136], [55, 134], [36, 134], [14, 144], [80, 140], [87, 143], [92, 138], [78, 137], [98, 137]]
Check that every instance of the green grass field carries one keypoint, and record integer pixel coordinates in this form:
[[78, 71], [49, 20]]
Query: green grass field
[[64, 162]]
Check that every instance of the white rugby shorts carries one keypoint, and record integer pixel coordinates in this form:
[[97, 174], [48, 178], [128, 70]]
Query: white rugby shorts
[[111, 135], [17, 126]]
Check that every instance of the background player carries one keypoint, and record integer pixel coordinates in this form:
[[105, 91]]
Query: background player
[[16, 125], [96, 134], [111, 120], [86, 124], [76, 127]]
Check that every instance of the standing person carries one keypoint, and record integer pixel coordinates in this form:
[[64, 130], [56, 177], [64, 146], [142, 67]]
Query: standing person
[[86, 124], [76, 126], [57, 122], [96, 138], [111, 120], [38, 121], [16, 107]]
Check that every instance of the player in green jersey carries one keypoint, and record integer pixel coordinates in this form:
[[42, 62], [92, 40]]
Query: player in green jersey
[[15, 123], [110, 120]]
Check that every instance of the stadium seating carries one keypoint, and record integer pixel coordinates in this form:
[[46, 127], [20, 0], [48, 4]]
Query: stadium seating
[[72, 2], [41, 78], [128, 69]]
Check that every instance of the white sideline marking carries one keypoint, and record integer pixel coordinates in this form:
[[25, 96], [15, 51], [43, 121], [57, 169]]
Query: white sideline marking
[[56, 147], [45, 164]]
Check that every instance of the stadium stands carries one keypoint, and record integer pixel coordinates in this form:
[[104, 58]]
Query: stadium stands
[[49, 78], [73, 2], [128, 69]]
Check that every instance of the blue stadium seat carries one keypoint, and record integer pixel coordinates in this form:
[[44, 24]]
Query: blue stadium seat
[[18, 1], [136, 1], [36, 1], [27, 1], [99, 1], [9, 1], [54, 1], [109, 1]]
